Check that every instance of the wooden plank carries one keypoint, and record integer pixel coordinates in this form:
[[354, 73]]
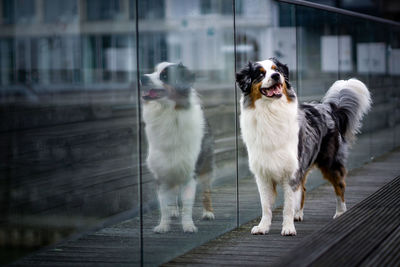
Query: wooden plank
[[355, 235]]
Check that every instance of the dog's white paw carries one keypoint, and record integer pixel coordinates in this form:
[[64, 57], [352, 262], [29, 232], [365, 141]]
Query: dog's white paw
[[340, 208], [161, 228], [174, 213], [298, 215], [208, 215], [189, 227], [288, 229], [337, 214], [260, 230]]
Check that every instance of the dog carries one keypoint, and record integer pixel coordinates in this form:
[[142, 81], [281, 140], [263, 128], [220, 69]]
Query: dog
[[180, 143], [285, 139]]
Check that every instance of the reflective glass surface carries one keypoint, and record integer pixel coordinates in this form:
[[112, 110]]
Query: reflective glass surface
[[188, 104], [394, 72], [68, 124], [317, 61], [353, 62], [317, 49], [381, 118]]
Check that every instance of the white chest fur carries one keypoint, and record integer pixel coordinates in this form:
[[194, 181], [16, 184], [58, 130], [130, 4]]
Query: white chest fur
[[174, 137], [270, 132]]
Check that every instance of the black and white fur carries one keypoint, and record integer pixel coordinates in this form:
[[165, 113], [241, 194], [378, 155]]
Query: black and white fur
[[180, 144], [286, 139]]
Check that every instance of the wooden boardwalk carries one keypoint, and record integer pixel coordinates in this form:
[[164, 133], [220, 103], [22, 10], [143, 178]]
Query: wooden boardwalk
[[366, 235], [239, 247], [119, 243]]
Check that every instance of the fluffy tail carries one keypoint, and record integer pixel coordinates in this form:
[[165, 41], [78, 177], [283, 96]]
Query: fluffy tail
[[351, 101]]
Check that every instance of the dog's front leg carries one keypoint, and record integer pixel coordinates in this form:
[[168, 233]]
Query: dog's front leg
[[266, 188], [165, 197], [288, 210], [188, 193]]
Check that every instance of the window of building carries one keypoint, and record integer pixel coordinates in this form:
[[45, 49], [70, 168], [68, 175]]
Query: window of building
[[102, 9], [18, 11], [216, 7], [60, 10], [151, 9]]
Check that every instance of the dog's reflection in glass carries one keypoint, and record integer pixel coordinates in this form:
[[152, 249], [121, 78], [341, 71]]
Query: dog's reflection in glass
[[180, 144]]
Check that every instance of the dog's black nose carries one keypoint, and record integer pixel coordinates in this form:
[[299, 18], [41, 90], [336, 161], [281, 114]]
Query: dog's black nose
[[275, 77], [144, 80]]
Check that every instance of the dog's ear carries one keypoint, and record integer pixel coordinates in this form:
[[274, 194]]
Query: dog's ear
[[284, 69], [186, 76], [244, 77], [178, 76]]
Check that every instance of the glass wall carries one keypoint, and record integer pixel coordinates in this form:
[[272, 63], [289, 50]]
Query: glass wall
[[394, 72], [189, 180], [317, 61], [381, 116], [119, 120], [68, 122], [354, 66]]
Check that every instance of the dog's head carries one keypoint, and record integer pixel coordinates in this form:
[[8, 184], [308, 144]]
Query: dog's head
[[169, 81], [268, 79]]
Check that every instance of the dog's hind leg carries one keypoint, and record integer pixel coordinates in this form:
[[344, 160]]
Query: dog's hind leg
[[267, 190], [336, 175], [205, 181], [298, 204], [188, 192], [299, 198]]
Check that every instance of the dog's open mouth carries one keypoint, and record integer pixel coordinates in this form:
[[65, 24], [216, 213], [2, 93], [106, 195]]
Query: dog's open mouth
[[273, 91], [153, 94]]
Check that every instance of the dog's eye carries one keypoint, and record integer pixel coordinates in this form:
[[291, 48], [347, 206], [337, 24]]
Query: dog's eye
[[163, 75]]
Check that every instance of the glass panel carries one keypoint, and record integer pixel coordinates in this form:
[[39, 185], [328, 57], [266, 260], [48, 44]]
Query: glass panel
[[189, 117], [394, 72], [381, 117], [354, 64], [68, 131], [273, 35], [317, 45], [318, 60]]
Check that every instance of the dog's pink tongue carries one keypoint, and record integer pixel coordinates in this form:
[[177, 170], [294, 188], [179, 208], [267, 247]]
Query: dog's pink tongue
[[270, 92], [277, 90], [152, 93]]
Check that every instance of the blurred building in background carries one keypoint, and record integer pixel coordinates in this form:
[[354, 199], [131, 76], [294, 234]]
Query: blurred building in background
[[62, 44]]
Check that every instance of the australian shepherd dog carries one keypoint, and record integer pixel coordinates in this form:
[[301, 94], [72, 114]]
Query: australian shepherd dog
[[180, 144], [285, 139]]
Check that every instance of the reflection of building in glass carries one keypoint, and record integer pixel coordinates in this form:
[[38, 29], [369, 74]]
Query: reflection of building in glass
[[66, 42], [45, 42]]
